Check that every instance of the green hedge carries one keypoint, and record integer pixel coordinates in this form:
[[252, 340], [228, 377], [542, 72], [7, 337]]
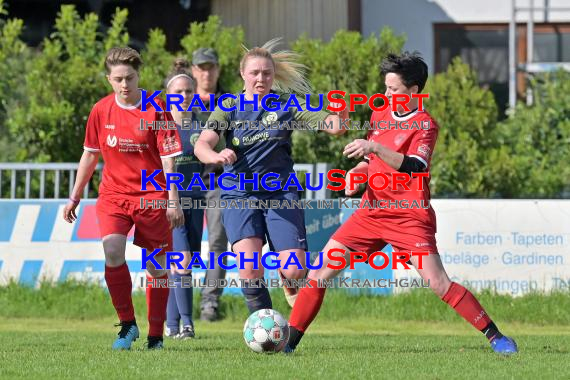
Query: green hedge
[[47, 96]]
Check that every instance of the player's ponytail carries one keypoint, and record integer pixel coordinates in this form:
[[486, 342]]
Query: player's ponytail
[[290, 75]]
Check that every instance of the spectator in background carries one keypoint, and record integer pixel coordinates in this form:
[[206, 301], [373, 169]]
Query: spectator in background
[[206, 71]]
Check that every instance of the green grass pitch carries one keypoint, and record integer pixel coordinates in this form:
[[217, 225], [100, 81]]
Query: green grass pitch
[[408, 337]]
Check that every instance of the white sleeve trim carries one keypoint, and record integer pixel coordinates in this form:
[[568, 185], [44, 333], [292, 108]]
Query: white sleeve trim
[[91, 149], [421, 159], [171, 155]]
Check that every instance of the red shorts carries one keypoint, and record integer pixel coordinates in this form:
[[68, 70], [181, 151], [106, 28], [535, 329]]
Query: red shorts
[[118, 214], [365, 234]]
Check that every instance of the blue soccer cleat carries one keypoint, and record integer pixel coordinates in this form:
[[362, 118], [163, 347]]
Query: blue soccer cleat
[[128, 334], [504, 345]]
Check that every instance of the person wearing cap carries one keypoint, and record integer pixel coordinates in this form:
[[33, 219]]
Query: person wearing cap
[[206, 71]]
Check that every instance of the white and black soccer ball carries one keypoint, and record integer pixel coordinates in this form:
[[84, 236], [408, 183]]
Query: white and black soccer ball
[[266, 331]]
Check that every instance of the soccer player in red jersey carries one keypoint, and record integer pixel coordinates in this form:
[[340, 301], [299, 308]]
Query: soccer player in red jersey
[[404, 143], [114, 131]]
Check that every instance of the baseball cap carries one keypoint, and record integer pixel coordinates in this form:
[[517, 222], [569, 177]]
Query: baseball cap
[[204, 55]]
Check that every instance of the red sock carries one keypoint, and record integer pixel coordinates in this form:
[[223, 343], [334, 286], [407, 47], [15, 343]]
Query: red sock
[[120, 287], [307, 306], [466, 305], [156, 300]]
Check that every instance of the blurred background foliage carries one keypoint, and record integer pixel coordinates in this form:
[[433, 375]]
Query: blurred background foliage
[[47, 93]]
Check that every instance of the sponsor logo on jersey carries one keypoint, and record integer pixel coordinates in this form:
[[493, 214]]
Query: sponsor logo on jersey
[[111, 141], [269, 117], [193, 138], [258, 137], [109, 126], [170, 144], [424, 149]]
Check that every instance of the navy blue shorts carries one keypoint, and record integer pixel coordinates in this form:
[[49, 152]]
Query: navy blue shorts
[[189, 236], [284, 229]]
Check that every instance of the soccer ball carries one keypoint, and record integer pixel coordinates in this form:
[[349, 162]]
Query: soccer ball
[[266, 331]]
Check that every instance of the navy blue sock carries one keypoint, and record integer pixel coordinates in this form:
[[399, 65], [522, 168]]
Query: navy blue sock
[[184, 297], [256, 296], [172, 314]]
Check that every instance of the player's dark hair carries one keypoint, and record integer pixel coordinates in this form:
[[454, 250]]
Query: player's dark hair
[[123, 56], [409, 66], [180, 68]]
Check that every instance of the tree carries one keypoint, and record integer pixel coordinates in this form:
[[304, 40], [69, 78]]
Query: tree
[[14, 59], [531, 155], [228, 43], [466, 115], [334, 66], [60, 85]]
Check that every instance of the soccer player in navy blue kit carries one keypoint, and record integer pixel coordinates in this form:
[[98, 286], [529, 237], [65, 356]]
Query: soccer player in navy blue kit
[[187, 238], [262, 151]]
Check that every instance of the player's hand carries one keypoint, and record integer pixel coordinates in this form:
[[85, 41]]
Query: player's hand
[[69, 211], [342, 114], [358, 148], [226, 157], [347, 190], [175, 216]]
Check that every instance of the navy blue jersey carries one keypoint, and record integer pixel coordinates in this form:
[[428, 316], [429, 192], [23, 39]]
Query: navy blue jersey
[[188, 164], [261, 140]]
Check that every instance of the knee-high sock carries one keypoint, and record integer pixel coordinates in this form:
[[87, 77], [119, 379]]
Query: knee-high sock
[[172, 313], [466, 305], [184, 297], [120, 286], [256, 297], [307, 306], [156, 300]]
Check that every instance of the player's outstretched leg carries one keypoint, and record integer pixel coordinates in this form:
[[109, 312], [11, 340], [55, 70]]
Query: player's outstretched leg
[[310, 298], [156, 301], [293, 275], [464, 303], [256, 293], [172, 314], [118, 279], [120, 288], [184, 300]]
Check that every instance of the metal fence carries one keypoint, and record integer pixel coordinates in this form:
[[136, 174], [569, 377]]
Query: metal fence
[[56, 180]]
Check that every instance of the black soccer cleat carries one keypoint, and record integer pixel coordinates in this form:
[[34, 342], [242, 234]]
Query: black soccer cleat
[[154, 343], [294, 339]]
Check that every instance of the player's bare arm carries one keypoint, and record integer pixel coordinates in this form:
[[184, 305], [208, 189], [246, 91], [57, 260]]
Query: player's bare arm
[[362, 167], [85, 170], [337, 127], [204, 150], [174, 215], [360, 148]]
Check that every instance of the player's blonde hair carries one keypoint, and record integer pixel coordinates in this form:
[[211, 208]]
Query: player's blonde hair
[[290, 75], [123, 56]]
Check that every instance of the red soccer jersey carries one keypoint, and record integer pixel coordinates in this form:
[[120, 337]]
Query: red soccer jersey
[[414, 135], [115, 130]]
